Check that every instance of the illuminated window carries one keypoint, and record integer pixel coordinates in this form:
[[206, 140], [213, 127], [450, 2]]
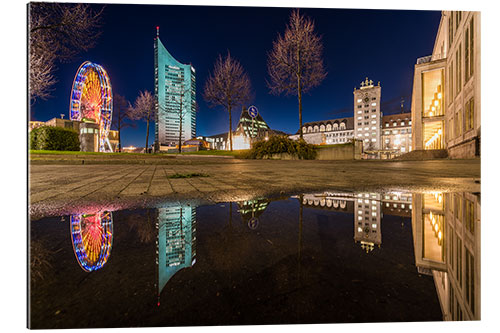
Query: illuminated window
[[432, 93], [374, 104]]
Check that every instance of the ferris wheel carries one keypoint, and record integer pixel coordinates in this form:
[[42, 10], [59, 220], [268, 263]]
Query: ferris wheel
[[92, 100]]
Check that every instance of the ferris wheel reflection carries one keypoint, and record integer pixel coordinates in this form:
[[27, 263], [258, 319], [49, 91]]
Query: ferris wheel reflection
[[92, 238]]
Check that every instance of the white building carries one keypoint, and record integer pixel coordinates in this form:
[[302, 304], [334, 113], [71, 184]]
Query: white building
[[330, 132], [367, 116]]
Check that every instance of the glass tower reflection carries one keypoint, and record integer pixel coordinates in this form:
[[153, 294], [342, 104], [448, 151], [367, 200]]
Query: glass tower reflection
[[176, 245], [92, 238]]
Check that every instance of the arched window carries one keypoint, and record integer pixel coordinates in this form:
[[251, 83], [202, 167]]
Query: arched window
[[335, 126], [328, 127], [342, 126], [316, 128], [304, 129], [309, 129], [322, 128]]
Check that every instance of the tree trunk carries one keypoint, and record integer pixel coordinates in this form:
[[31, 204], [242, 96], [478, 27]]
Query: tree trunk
[[119, 141], [300, 107], [147, 134], [299, 92], [119, 132], [230, 130]]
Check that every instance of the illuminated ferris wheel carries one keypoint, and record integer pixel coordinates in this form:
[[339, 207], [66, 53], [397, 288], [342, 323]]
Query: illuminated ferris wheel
[[92, 237], [92, 100]]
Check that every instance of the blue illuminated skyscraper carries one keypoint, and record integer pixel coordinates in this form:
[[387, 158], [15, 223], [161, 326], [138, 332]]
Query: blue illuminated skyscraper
[[175, 94]]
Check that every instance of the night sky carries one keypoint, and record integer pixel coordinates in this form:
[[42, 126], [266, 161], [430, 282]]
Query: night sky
[[380, 44]]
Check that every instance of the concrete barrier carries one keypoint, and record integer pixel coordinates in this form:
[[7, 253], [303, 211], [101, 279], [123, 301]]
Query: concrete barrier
[[340, 152]]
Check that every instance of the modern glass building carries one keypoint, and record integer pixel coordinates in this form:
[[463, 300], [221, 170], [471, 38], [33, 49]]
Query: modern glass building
[[175, 94]]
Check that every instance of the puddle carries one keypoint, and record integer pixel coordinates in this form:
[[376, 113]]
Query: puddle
[[312, 258]]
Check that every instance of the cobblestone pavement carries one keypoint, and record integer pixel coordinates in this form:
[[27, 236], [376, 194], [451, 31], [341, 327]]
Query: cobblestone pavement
[[58, 189]]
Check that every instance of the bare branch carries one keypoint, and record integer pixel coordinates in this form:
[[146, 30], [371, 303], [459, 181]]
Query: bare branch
[[228, 86], [57, 32], [295, 63]]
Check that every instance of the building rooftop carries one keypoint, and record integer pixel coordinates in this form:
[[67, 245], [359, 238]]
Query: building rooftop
[[348, 121]]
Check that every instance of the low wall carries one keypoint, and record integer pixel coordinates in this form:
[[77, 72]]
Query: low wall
[[329, 153], [340, 152]]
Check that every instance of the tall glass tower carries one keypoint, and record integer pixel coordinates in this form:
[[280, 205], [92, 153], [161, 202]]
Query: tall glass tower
[[175, 94]]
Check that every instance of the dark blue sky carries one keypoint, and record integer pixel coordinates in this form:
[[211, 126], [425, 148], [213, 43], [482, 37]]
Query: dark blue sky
[[380, 44]]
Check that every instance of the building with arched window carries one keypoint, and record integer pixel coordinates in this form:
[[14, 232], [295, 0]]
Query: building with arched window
[[329, 132]]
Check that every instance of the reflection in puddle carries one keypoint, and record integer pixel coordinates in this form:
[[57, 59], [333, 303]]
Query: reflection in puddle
[[312, 258], [92, 236], [176, 246]]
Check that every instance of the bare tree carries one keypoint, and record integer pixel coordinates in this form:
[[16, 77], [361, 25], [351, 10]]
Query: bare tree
[[57, 32], [143, 109], [295, 63], [228, 86], [121, 113]]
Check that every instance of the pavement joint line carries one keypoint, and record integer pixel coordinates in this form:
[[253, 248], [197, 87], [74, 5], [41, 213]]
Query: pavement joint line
[[114, 180], [216, 187], [187, 181], [76, 188], [151, 179], [168, 180], [123, 189]]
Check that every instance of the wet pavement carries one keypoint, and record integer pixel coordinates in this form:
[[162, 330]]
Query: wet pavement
[[61, 189], [316, 257]]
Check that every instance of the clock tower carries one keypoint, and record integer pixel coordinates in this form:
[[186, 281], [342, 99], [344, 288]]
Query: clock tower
[[367, 115]]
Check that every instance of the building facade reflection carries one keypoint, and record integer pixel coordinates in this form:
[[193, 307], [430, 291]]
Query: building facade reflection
[[367, 221], [446, 229], [368, 209], [251, 210], [176, 245], [92, 238]]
